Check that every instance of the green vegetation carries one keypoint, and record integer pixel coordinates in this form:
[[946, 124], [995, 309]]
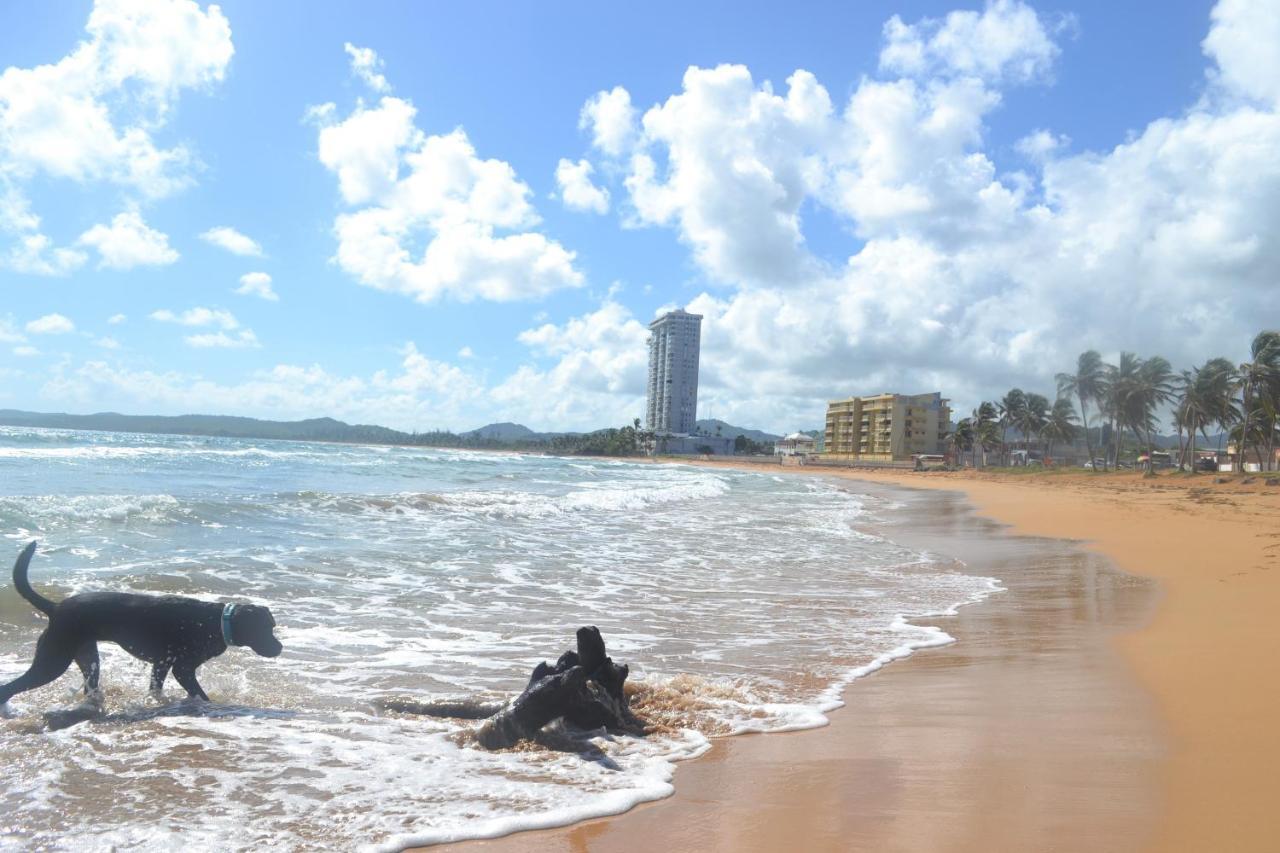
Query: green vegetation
[[1242, 401]]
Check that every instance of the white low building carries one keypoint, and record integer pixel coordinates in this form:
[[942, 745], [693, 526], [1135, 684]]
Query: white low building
[[796, 444]]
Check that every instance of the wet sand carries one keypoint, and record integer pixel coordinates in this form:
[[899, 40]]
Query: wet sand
[[1030, 733]]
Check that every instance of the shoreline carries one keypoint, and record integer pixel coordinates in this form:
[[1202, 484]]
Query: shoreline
[[1207, 655], [926, 755]]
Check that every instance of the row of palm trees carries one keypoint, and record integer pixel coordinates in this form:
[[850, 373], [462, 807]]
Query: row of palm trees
[[1128, 397]]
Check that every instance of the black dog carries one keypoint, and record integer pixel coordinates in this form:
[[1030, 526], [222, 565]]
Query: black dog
[[167, 631]]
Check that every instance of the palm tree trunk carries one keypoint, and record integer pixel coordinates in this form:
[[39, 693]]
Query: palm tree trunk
[[1244, 429], [1088, 443]]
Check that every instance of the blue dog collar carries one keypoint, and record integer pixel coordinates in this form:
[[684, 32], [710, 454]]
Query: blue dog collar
[[226, 624]]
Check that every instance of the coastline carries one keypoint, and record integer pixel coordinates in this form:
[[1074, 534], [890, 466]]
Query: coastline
[[1208, 654], [1030, 732]]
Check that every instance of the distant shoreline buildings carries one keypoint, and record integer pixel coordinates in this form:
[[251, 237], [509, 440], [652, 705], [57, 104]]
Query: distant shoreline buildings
[[886, 427]]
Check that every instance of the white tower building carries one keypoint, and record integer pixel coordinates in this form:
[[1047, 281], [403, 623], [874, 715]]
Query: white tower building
[[674, 342]]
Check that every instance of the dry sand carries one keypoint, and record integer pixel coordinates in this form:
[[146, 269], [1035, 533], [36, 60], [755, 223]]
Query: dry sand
[[1032, 732]]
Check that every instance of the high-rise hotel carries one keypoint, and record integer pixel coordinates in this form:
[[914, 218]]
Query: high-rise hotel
[[674, 342]]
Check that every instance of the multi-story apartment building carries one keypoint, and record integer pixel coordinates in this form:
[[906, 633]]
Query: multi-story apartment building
[[674, 342], [886, 427]]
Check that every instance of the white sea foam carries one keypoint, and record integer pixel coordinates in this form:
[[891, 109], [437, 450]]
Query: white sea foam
[[436, 574]]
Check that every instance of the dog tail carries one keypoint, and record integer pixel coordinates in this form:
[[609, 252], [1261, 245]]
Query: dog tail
[[24, 589]]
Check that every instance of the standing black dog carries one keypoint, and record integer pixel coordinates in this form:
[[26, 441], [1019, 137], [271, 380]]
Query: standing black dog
[[167, 631]]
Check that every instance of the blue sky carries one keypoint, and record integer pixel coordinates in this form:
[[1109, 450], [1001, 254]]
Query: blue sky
[[448, 216]]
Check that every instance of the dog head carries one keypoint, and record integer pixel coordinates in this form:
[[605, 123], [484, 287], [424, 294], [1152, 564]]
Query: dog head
[[253, 626]]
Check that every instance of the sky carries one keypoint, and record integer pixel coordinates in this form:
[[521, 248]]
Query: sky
[[435, 216]]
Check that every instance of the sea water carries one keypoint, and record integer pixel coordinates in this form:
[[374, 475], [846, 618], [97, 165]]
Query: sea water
[[741, 601]]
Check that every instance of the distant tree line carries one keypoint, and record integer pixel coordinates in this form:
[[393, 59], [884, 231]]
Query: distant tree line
[[1127, 398]]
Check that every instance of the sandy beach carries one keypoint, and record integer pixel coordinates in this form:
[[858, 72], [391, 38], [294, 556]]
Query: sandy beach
[[1118, 696]]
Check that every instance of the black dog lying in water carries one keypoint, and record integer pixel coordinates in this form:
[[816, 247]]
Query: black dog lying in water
[[167, 631]]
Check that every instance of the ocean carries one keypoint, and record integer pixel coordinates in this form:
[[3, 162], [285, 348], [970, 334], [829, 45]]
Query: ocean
[[742, 601]]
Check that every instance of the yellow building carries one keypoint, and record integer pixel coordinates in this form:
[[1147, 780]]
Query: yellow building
[[886, 427]]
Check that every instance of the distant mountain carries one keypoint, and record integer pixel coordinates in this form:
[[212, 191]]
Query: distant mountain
[[730, 431], [218, 426], [505, 431]]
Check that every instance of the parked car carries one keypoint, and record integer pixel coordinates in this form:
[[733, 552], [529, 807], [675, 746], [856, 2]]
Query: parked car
[[1097, 464], [1207, 464]]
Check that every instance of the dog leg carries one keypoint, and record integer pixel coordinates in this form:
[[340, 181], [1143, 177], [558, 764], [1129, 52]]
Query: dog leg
[[53, 655], [186, 675], [90, 666], [158, 673]]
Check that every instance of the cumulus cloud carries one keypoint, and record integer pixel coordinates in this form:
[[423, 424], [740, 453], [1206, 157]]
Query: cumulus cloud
[[51, 324], [128, 242], [235, 242], [243, 339], [92, 116], [230, 334], [117, 319], [598, 375], [405, 189], [576, 190], [198, 316], [365, 65], [962, 278], [257, 284], [1006, 40], [1244, 43], [740, 162], [611, 119]]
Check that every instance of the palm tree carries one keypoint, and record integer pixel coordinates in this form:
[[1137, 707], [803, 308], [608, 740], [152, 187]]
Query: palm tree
[[1060, 424], [1204, 398], [961, 438], [1037, 415], [1010, 408], [1150, 388], [985, 420], [1256, 378], [1119, 384], [1087, 383]]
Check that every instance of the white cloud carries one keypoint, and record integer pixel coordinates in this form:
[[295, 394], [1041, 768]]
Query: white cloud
[[1007, 40], [963, 278], [235, 242], [1244, 43], [419, 394], [576, 190], [92, 116], [31, 252], [740, 161], [598, 374], [257, 284], [365, 65], [244, 339], [466, 352], [117, 319], [51, 324], [198, 316], [9, 333], [611, 119], [107, 342], [429, 213], [1041, 144], [229, 336], [129, 242], [25, 351]]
